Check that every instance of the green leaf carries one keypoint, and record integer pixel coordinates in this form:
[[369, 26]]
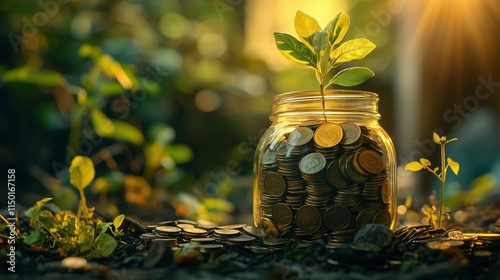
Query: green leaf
[[352, 50], [179, 153], [104, 245], [102, 125], [305, 26], [351, 76], [425, 162], [33, 211], [109, 88], [118, 220], [295, 51], [320, 42], [37, 237], [47, 219], [337, 28], [413, 166], [39, 77], [81, 172], [455, 167], [127, 132]]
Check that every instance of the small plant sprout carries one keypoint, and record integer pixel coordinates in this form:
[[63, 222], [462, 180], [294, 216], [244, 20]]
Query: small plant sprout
[[80, 234], [320, 50], [445, 164]]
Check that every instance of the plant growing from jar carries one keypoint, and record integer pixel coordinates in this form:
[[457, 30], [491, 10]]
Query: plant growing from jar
[[319, 49], [446, 162]]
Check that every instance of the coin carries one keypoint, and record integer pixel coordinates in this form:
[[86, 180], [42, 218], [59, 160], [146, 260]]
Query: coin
[[255, 232], [328, 135], [185, 226], [272, 241], [300, 136], [269, 226], [351, 133], [227, 232], [187, 221], [383, 217], [312, 163], [308, 218], [334, 177], [282, 214], [385, 192], [365, 217], [241, 239], [337, 218], [203, 240], [274, 184], [233, 226], [439, 245], [371, 161], [168, 230], [196, 231]]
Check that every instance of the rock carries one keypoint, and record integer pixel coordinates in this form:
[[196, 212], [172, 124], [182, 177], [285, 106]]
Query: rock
[[376, 234], [159, 255]]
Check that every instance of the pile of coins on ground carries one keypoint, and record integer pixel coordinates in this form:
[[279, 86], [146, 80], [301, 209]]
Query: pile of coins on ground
[[208, 237], [324, 178], [479, 247]]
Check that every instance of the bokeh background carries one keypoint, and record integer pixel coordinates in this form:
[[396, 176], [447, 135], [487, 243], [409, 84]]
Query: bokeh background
[[187, 86]]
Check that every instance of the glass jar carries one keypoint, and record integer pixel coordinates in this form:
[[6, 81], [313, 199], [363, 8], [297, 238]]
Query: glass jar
[[325, 166]]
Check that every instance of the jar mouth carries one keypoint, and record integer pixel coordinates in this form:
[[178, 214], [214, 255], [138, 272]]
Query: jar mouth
[[348, 104], [329, 94]]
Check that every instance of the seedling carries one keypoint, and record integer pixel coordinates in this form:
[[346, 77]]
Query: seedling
[[79, 234], [425, 164], [319, 49]]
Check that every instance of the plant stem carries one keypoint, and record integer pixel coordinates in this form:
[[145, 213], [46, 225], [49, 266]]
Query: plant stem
[[441, 190], [322, 90]]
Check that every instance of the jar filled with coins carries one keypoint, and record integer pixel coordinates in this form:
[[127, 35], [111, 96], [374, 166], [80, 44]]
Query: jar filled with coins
[[325, 167]]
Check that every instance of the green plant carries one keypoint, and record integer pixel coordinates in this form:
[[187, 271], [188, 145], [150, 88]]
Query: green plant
[[79, 234], [445, 164], [319, 49]]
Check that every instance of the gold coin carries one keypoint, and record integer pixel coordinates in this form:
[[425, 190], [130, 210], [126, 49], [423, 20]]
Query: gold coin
[[328, 135], [386, 192], [269, 226], [227, 232], [195, 231]]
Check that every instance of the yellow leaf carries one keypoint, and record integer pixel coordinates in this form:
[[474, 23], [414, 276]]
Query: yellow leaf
[[305, 26], [455, 167], [352, 50], [337, 28], [81, 172], [425, 162], [436, 138], [413, 166], [103, 126]]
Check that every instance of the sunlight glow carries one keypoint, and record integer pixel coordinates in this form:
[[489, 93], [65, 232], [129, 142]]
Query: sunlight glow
[[457, 34]]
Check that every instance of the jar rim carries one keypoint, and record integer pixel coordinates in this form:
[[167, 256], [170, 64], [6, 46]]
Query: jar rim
[[329, 93], [353, 104]]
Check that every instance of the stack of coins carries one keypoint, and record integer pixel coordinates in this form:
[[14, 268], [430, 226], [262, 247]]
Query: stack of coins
[[190, 233], [326, 140], [330, 179]]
